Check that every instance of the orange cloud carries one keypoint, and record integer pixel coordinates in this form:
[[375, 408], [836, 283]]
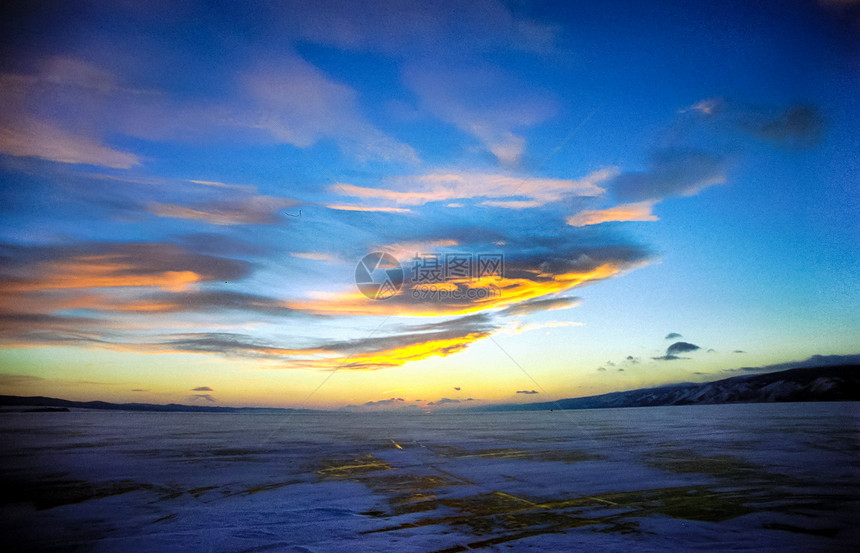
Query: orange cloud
[[127, 286], [160, 265], [102, 273], [372, 353], [395, 356], [469, 296], [640, 211], [46, 301]]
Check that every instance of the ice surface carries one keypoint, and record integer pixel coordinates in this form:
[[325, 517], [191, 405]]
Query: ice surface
[[766, 477]]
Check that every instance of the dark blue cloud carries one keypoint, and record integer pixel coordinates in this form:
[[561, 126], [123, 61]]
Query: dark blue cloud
[[681, 347], [670, 173]]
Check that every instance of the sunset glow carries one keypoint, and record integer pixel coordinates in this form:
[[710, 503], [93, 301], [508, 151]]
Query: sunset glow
[[187, 195]]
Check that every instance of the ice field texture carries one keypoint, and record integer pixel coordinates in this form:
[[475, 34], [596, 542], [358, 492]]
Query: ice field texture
[[756, 477]]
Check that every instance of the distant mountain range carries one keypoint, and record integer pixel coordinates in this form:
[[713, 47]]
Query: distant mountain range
[[38, 401], [838, 383]]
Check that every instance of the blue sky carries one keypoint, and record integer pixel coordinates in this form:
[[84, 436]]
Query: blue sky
[[186, 193]]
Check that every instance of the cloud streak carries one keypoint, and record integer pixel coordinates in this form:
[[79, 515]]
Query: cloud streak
[[671, 173], [537, 306], [446, 187], [426, 28], [302, 105], [438, 339], [794, 127], [450, 93], [523, 282], [112, 265], [251, 210], [640, 211], [27, 132], [285, 100]]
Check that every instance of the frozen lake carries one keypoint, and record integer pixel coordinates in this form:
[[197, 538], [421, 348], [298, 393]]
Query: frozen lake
[[763, 477]]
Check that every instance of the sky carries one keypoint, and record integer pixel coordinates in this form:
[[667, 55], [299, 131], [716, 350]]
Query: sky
[[422, 205]]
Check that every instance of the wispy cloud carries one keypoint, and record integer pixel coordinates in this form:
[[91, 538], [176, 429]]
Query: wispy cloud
[[445, 187], [413, 343], [400, 29], [315, 256], [405, 251], [536, 306], [102, 293], [250, 210], [505, 106], [12, 380], [287, 100], [678, 170], [29, 329], [527, 327], [26, 130], [191, 301], [299, 104], [105, 265], [640, 211], [812, 361], [797, 126], [671, 173], [370, 209], [45, 140], [361, 354]]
